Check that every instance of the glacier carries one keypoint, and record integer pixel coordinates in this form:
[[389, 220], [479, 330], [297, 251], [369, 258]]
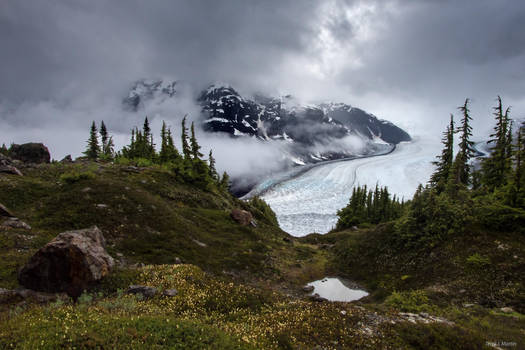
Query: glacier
[[306, 200]]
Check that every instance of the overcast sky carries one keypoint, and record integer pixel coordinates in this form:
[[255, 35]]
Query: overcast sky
[[64, 63]]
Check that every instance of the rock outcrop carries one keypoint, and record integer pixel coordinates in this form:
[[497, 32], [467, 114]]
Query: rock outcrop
[[69, 263], [30, 153]]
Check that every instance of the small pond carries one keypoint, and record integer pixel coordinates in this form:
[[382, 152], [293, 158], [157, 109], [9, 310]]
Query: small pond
[[333, 289]]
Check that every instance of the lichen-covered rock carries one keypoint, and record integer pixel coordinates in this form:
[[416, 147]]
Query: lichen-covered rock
[[69, 263], [145, 291], [9, 169], [243, 217], [15, 223], [30, 153]]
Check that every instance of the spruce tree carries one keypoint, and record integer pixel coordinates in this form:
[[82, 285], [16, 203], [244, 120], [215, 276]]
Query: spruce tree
[[93, 149], [164, 148], [213, 172], [445, 160], [466, 147], [496, 166], [195, 147], [186, 151], [225, 182]]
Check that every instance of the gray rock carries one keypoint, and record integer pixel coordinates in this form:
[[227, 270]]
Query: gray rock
[[30, 153], [69, 263], [308, 289], [316, 297], [15, 223], [145, 291], [170, 292], [243, 217], [178, 261], [507, 310], [5, 212], [9, 169]]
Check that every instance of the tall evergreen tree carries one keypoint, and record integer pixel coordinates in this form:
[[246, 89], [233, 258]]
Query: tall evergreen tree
[[466, 147], [186, 151], [225, 182], [496, 166], [93, 149], [164, 155], [445, 160], [213, 172], [107, 147], [195, 147]]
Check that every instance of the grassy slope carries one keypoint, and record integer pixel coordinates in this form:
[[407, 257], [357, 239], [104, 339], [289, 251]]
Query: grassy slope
[[151, 218], [148, 217], [466, 279]]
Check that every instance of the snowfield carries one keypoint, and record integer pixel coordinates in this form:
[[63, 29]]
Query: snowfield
[[309, 202]]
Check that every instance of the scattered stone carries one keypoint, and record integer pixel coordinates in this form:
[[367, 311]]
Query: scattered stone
[[253, 223], [308, 289], [355, 228], [462, 291], [86, 189], [30, 153], [243, 217], [102, 206], [170, 292], [199, 243], [67, 159], [423, 318], [5, 212], [15, 223], [507, 310], [178, 261], [145, 291], [467, 305], [131, 169], [316, 297], [9, 169], [343, 312], [69, 263]]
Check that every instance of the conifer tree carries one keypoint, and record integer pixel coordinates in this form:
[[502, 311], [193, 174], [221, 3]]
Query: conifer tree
[[107, 147], [225, 182], [164, 155], [93, 149], [466, 147], [186, 151], [497, 165], [195, 147], [445, 160], [213, 172], [172, 150]]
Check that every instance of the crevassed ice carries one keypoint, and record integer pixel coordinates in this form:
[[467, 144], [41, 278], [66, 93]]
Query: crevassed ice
[[309, 202]]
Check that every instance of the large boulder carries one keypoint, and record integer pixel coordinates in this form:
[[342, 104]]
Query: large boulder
[[69, 263], [243, 217], [30, 153]]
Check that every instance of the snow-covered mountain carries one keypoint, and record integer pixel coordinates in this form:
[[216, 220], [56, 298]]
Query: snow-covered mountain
[[310, 133]]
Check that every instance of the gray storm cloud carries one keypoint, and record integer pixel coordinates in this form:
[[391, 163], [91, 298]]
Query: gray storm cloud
[[65, 63]]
